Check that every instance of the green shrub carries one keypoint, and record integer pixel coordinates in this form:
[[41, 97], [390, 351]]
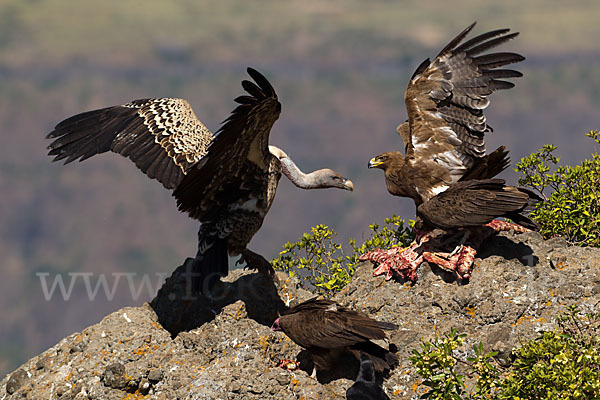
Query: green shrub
[[559, 364], [436, 364], [320, 262], [572, 209], [562, 364]]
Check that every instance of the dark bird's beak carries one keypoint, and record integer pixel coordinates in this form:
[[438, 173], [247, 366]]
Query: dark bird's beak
[[275, 327], [348, 185]]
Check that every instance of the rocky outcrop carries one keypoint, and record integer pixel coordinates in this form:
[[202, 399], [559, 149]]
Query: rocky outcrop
[[221, 347]]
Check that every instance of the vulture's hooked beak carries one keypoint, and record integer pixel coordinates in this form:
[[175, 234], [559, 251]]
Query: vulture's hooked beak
[[348, 185], [374, 162]]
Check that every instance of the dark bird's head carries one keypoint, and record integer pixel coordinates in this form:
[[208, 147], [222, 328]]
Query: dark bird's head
[[327, 178], [276, 327], [385, 160]]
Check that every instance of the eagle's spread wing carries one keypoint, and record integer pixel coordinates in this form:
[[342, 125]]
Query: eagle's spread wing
[[243, 139], [163, 137], [475, 203], [445, 100], [325, 324]]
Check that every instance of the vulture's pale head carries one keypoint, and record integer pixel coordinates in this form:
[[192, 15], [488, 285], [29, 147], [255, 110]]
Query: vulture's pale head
[[327, 178], [386, 160]]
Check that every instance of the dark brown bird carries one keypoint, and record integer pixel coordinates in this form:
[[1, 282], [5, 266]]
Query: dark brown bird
[[445, 169], [328, 330], [366, 387], [226, 181]]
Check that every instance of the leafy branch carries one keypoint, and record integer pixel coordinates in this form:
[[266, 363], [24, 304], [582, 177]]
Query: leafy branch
[[321, 263], [571, 206]]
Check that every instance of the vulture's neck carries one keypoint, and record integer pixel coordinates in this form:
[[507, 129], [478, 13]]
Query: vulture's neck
[[290, 169], [299, 178]]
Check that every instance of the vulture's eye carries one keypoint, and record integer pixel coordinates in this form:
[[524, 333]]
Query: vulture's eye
[[336, 178]]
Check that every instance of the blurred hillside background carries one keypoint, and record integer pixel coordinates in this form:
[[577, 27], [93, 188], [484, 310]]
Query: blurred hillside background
[[340, 69]]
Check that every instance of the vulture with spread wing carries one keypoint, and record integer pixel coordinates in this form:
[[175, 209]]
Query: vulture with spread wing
[[227, 181], [328, 331], [445, 169]]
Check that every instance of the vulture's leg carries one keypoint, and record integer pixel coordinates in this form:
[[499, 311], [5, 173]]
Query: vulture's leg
[[398, 261], [257, 262]]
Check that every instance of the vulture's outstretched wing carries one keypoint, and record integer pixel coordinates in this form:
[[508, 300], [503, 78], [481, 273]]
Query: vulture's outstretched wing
[[477, 202], [325, 324], [445, 100], [163, 137], [243, 138]]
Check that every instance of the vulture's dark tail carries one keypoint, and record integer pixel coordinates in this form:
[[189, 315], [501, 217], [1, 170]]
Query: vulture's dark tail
[[211, 262]]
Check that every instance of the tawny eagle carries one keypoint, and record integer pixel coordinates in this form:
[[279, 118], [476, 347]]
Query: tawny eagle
[[328, 331], [445, 169], [227, 181]]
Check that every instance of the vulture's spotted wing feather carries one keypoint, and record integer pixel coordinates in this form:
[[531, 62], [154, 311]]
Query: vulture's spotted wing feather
[[163, 137]]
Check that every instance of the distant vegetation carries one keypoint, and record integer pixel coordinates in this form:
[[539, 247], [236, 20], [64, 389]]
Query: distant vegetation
[[559, 364], [571, 206]]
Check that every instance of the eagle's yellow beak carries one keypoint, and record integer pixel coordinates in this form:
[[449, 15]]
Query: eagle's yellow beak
[[373, 162]]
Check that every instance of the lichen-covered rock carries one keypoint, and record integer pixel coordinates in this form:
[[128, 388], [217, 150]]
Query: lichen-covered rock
[[15, 381], [221, 347]]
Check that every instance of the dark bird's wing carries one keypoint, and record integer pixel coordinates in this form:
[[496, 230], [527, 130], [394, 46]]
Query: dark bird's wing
[[242, 139], [445, 100], [477, 202], [488, 166], [325, 324], [163, 137]]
